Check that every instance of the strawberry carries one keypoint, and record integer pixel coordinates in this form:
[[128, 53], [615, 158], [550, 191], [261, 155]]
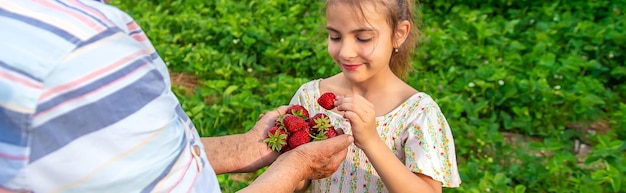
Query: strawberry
[[298, 138], [327, 100], [293, 123], [298, 110], [329, 133], [276, 138], [319, 122], [280, 121], [307, 128]]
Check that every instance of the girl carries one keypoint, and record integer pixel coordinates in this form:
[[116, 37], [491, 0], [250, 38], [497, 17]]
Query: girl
[[402, 140]]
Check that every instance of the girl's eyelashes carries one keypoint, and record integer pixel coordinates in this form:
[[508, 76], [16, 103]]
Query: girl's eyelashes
[[364, 39], [360, 39], [365, 36]]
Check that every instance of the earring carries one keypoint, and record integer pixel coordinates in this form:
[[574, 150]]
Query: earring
[[395, 50]]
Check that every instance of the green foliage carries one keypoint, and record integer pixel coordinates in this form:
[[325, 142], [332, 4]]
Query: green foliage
[[496, 67]]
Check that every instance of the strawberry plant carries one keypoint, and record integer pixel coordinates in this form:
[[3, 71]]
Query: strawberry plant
[[525, 85]]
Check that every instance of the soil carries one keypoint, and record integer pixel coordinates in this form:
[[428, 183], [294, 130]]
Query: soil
[[186, 81]]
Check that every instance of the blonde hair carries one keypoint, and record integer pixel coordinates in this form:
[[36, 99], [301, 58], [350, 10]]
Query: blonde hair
[[396, 11]]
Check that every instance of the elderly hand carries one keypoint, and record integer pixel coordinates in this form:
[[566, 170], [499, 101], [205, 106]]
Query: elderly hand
[[313, 160], [317, 159], [257, 134]]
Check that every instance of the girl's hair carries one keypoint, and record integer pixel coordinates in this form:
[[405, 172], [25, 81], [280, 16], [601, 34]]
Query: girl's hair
[[396, 11]]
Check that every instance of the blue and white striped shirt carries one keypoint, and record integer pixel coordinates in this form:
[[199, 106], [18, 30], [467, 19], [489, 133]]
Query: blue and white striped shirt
[[86, 105]]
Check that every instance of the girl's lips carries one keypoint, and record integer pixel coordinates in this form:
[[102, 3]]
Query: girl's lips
[[351, 66]]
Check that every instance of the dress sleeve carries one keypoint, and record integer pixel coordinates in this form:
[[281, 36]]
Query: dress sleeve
[[429, 147], [306, 96], [299, 97]]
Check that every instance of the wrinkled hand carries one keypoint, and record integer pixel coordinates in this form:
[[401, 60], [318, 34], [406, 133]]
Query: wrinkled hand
[[259, 132], [312, 160], [362, 117], [318, 159]]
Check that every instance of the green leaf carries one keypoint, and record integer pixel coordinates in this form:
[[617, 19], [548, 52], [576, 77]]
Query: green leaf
[[230, 90], [616, 145], [599, 175], [547, 60], [520, 189]]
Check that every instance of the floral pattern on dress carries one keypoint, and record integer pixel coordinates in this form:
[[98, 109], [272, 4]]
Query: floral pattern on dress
[[416, 131]]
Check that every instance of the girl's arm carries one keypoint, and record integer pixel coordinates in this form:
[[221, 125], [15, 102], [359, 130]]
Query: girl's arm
[[396, 176]]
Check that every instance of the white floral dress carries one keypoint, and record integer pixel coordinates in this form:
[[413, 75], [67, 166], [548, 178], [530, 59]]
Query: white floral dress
[[416, 131]]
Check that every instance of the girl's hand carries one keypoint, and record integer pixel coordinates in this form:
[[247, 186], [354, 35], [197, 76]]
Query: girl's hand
[[362, 117]]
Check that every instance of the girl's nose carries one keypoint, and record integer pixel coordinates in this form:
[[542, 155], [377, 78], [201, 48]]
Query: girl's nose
[[348, 50]]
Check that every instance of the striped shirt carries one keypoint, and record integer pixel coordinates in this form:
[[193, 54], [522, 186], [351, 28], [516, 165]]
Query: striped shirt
[[86, 105]]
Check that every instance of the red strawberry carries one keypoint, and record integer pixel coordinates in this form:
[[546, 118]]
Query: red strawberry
[[319, 122], [329, 133], [298, 138], [276, 138], [293, 123], [307, 128], [298, 110], [279, 120], [327, 100]]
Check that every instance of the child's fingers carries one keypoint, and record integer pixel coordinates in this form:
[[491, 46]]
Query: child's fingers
[[352, 116]]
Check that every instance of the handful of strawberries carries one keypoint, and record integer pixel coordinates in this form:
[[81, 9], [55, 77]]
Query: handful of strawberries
[[296, 127]]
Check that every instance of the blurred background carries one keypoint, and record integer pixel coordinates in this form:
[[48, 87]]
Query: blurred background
[[534, 91]]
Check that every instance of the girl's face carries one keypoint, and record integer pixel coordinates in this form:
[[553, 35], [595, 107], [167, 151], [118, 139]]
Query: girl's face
[[360, 44]]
